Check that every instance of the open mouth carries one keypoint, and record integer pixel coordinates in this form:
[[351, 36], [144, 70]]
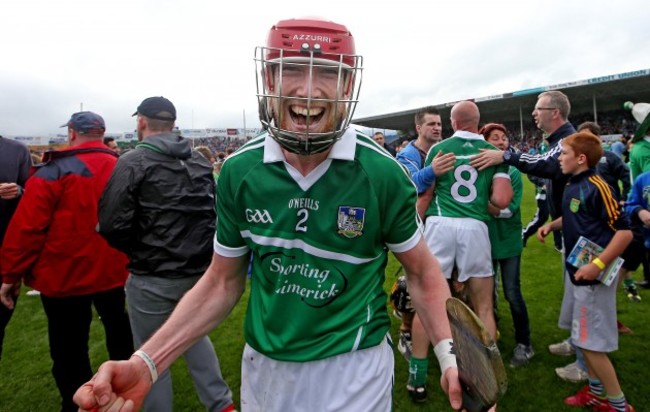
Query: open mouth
[[302, 116]]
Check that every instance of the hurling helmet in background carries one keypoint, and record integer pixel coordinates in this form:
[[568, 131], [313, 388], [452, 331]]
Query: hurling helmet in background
[[313, 44]]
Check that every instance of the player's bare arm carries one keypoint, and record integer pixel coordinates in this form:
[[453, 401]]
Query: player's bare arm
[[205, 306], [428, 289], [423, 202], [198, 312], [429, 294], [501, 192]]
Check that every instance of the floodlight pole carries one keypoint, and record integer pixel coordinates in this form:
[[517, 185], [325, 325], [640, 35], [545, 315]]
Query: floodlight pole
[[593, 99], [521, 125]]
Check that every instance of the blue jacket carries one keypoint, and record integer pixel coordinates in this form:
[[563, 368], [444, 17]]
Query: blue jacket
[[413, 159], [639, 195], [590, 208], [638, 200]]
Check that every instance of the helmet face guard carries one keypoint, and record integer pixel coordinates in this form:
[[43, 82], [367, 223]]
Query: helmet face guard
[[314, 48]]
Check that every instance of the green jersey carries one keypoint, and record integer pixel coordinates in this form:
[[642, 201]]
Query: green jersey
[[543, 148], [505, 230], [463, 191], [319, 243]]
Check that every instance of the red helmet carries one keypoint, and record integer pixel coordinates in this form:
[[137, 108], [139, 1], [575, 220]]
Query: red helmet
[[308, 43], [298, 37]]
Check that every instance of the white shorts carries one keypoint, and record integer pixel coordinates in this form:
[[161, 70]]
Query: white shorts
[[461, 241], [589, 312], [354, 381]]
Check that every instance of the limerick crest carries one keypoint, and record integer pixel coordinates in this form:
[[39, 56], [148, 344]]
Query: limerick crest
[[350, 221]]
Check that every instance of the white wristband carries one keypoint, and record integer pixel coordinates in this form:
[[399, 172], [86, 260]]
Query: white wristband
[[444, 351], [150, 364]]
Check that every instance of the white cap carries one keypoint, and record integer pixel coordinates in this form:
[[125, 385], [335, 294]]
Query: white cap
[[641, 113]]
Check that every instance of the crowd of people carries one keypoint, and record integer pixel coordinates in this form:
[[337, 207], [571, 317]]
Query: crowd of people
[[615, 122], [310, 210], [220, 147]]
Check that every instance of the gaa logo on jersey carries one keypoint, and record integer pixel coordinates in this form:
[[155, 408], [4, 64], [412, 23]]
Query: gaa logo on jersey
[[350, 221], [258, 216], [574, 205]]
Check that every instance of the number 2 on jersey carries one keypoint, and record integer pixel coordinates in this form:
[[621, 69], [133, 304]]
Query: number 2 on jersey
[[303, 215]]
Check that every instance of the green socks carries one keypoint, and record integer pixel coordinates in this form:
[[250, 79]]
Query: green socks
[[418, 370]]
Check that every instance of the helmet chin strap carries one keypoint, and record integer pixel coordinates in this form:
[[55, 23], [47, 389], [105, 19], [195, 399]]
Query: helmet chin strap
[[296, 143]]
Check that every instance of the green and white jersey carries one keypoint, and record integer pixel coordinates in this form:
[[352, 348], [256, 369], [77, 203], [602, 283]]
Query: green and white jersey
[[319, 243], [463, 191], [505, 230]]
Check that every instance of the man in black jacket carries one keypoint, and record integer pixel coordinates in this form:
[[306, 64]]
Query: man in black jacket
[[159, 208], [14, 170], [551, 113]]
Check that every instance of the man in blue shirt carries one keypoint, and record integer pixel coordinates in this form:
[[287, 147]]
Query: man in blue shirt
[[428, 125]]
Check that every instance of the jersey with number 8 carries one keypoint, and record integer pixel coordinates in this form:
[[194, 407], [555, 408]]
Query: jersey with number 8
[[464, 191]]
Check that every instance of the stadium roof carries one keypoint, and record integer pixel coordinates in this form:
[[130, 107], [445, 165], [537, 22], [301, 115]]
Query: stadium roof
[[605, 93]]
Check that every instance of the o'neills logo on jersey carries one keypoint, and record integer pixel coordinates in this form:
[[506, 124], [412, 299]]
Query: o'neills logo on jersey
[[350, 221], [312, 37], [258, 216]]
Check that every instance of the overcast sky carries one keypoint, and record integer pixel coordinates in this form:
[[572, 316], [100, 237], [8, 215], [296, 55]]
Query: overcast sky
[[110, 55]]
